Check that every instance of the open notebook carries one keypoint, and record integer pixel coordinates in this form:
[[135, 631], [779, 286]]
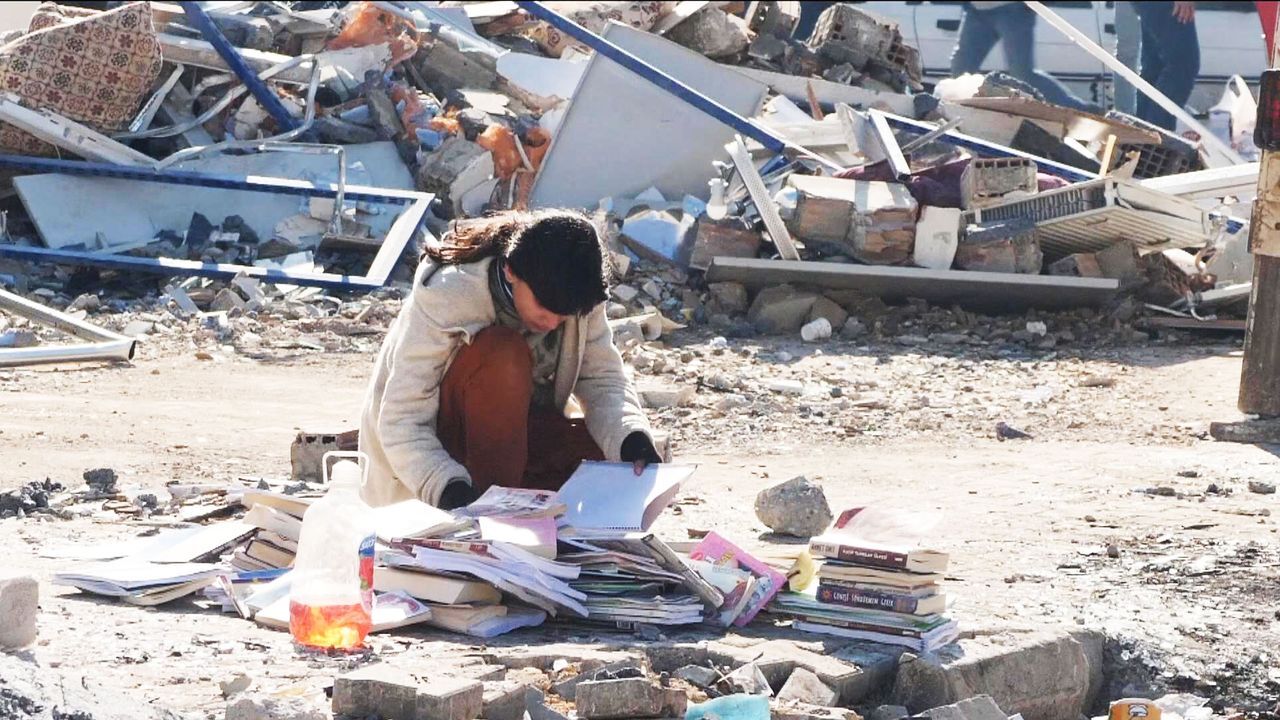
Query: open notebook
[[609, 496]]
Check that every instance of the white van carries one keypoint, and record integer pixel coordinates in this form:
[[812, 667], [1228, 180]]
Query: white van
[[1230, 44]]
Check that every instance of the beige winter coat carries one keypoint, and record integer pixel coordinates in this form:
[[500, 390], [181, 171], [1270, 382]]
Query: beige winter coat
[[397, 425]]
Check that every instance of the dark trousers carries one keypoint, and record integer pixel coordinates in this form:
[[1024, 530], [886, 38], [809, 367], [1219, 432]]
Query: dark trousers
[[1014, 27], [485, 421], [1170, 60]]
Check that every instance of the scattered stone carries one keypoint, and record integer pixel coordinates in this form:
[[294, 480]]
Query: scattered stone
[[1162, 491], [804, 711], [138, 328], [888, 712], [235, 685], [1098, 381], [19, 605], [101, 480], [31, 497], [853, 328], [227, 301], [1189, 473], [698, 676], [628, 698], [751, 680], [568, 688], [271, 708], [624, 293], [825, 307], [729, 298], [1113, 551], [665, 395], [87, 302], [803, 686], [780, 310], [712, 32], [796, 507], [787, 387], [1262, 488]]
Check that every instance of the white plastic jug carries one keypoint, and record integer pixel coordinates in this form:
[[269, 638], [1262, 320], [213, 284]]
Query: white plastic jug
[[331, 594]]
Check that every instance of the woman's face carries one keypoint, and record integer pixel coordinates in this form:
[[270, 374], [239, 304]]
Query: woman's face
[[532, 314]]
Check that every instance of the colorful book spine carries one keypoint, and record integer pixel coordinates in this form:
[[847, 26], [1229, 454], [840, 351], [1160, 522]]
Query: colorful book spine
[[873, 557], [848, 597]]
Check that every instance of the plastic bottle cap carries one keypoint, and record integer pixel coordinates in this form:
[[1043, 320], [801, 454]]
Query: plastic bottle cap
[[345, 472]]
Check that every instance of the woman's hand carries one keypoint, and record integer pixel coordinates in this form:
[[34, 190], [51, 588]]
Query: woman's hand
[[638, 450]]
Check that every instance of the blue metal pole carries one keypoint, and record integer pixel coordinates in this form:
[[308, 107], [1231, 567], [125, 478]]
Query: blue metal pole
[[202, 22], [707, 105]]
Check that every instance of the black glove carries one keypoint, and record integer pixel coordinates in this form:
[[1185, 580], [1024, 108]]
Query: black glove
[[457, 493], [638, 447]]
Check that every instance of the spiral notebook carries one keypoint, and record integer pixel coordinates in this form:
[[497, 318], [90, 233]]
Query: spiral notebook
[[609, 496]]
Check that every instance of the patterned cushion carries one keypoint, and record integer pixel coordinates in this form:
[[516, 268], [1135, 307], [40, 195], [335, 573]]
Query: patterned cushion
[[95, 69]]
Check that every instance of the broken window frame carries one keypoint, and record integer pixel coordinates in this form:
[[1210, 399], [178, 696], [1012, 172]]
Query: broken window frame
[[402, 231]]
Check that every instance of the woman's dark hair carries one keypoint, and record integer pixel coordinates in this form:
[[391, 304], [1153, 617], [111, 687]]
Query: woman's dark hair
[[557, 252]]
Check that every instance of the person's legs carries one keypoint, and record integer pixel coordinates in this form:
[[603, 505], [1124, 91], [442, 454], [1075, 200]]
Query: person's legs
[[484, 408], [977, 37], [1016, 25], [557, 445], [1173, 50], [1128, 45]]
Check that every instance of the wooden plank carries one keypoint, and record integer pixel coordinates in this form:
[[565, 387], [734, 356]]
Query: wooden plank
[[1260, 376]]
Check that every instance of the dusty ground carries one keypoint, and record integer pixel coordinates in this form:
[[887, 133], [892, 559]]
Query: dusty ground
[[1192, 598]]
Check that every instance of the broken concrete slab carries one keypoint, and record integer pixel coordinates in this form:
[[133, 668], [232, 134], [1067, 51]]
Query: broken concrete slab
[[1041, 675], [393, 694], [509, 700], [999, 292], [589, 667], [805, 687], [722, 238], [272, 708], [454, 168], [727, 298], [829, 310], [712, 32], [628, 698], [780, 310], [750, 679], [797, 507], [804, 711], [698, 676], [888, 712], [19, 605]]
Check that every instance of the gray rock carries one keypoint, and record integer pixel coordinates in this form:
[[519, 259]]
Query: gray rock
[[750, 679], [805, 687], [19, 605], [804, 711], [796, 507], [87, 302], [888, 712], [698, 675], [628, 698], [728, 298], [781, 310], [1262, 488], [235, 685], [227, 300], [853, 328], [269, 708], [711, 32], [825, 308]]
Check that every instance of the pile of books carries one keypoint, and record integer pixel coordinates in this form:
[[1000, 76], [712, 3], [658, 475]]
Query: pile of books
[[275, 542], [872, 586]]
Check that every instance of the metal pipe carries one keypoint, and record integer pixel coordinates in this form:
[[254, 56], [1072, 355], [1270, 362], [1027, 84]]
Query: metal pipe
[[194, 152], [1217, 149], [106, 344], [106, 350], [270, 102], [335, 221], [932, 135]]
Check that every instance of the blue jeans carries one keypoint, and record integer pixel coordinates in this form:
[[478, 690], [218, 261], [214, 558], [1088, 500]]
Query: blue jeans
[[1170, 60], [1014, 26], [1128, 47]]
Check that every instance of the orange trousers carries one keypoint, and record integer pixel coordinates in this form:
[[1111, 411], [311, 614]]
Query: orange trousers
[[486, 423]]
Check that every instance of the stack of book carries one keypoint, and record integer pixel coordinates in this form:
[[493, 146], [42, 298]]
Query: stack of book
[[636, 578], [872, 589], [275, 542], [627, 574]]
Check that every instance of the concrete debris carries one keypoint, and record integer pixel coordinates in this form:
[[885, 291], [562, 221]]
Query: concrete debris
[[1262, 488], [628, 698], [712, 32], [19, 605], [781, 310], [888, 712], [750, 679], [392, 694], [805, 687], [796, 507], [266, 707], [981, 707]]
